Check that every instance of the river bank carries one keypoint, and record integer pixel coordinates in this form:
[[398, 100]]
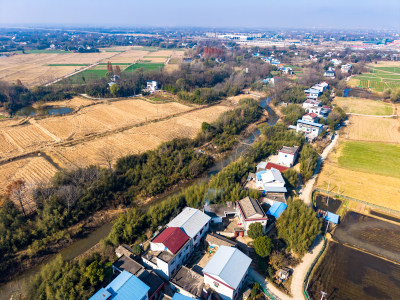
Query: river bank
[[82, 244]]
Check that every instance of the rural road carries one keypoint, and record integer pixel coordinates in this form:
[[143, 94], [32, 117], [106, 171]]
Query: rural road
[[305, 193], [298, 275]]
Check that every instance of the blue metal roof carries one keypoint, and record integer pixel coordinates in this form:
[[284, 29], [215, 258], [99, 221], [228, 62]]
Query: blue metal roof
[[229, 264], [102, 294], [309, 123], [275, 189], [258, 174], [331, 217], [125, 286], [178, 296], [277, 209]]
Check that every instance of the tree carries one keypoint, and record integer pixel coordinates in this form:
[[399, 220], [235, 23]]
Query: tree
[[114, 89], [205, 126], [308, 161], [107, 155], [336, 117], [117, 71], [292, 113], [136, 249], [95, 272], [277, 260], [255, 230], [17, 191], [109, 67], [291, 177], [298, 226], [263, 246], [395, 95]]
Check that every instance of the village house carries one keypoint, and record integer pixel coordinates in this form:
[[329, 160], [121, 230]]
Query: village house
[[168, 251], [218, 212], [310, 129], [124, 286], [346, 68], [188, 283], [312, 93], [330, 73], [287, 155], [250, 211], [215, 241], [193, 222], [227, 271], [310, 117], [270, 181], [321, 87], [271, 165], [336, 62], [151, 86], [318, 110], [287, 70]]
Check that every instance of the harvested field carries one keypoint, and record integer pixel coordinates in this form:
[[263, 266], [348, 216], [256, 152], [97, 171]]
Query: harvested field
[[6, 146], [346, 273], [364, 106], [34, 69], [26, 136], [373, 129], [369, 187], [103, 116], [138, 139]]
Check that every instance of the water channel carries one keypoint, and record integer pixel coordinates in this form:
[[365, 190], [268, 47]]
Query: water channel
[[44, 111], [82, 245]]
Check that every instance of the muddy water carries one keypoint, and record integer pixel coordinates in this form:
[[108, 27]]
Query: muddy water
[[80, 246], [348, 273]]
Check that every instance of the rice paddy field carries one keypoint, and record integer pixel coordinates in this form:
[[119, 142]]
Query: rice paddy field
[[379, 78], [363, 261], [364, 106]]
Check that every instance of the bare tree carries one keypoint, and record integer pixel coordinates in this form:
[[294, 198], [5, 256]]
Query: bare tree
[[16, 191], [70, 194], [107, 155]]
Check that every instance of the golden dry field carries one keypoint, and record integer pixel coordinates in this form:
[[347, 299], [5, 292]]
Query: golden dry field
[[137, 139], [124, 126], [385, 130], [40, 68]]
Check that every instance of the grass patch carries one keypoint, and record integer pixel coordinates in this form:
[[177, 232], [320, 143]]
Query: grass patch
[[86, 76], [174, 61], [377, 158], [67, 65], [364, 106], [45, 51], [115, 64], [146, 66]]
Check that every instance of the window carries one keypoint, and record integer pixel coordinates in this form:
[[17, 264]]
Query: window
[[180, 254]]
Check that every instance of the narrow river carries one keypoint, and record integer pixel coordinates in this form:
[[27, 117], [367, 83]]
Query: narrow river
[[80, 246]]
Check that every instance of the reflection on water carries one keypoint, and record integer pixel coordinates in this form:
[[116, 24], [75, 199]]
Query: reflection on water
[[44, 111]]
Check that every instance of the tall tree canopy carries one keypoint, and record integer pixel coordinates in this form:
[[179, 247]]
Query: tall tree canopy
[[298, 226]]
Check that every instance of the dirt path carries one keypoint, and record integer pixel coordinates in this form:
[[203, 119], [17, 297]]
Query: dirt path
[[306, 191], [372, 116], [300, 271], [269, 286]]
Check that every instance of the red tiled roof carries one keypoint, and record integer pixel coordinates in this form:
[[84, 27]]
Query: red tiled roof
[[173, 238], [312, 115], [275, 166]]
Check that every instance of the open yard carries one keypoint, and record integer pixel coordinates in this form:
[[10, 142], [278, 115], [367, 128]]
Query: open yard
[[386, 130], [363, 106]]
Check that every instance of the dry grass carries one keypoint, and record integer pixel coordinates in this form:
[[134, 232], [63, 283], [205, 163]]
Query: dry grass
[[73, 103], [384, 64], [361, 128], [138, 139], [363, 106], [33, 69], [372, 188]]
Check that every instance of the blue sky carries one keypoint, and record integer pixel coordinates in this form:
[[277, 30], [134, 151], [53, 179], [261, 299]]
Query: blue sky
[[351, 14]]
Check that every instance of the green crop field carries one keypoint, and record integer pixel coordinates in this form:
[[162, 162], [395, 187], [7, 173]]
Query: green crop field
[[68, 65], [380, 78], [377, 158], [87, 75], [146, 66]]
